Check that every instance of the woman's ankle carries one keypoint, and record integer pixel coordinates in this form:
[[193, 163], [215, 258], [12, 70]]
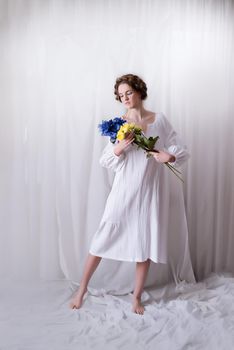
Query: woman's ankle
[[137, 297], [82, 288]]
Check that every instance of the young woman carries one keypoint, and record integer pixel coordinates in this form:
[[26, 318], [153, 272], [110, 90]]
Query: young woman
[[134, 223]]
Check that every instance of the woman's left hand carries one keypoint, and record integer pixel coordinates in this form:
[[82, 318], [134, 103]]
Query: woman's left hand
[[163, 157]]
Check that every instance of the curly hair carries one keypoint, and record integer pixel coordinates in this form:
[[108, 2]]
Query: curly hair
[[134, 81]]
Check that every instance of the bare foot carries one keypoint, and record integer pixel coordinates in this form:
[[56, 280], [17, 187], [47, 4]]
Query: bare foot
[[137, 306], [76, 302]]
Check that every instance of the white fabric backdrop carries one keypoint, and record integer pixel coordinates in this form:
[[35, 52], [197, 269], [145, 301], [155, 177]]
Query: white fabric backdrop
[[58, 64]]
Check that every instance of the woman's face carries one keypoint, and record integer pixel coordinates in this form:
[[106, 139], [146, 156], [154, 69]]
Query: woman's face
[[129, 97]]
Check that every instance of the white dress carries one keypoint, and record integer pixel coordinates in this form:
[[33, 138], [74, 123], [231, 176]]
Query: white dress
[[134, 225]]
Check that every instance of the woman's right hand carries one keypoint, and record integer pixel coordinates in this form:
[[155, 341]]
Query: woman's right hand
[[121, 145]]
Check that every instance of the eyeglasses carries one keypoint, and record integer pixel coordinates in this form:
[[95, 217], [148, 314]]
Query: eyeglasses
[[128, 93]]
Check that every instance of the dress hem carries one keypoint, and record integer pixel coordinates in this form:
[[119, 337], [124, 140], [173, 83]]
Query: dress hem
[[127, 259]]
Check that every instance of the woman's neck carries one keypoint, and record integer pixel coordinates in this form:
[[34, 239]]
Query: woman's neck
[[136, 114]]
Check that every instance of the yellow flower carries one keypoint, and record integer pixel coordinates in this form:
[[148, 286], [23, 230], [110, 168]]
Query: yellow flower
[[126, 128], [120, 135]]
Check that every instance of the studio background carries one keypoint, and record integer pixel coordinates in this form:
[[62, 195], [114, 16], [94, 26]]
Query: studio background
[[58, 64]]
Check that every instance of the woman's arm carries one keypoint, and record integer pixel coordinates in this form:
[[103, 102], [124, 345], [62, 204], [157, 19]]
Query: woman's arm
[[174, 152], [174, 145], [113, 155]]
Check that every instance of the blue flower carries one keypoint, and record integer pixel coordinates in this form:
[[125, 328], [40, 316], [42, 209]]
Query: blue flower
[[111, 127]]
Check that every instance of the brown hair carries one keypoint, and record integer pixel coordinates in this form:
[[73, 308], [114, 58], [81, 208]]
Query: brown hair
[[134, 81]]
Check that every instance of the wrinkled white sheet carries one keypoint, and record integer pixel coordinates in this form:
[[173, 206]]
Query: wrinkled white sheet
[[36, 316]]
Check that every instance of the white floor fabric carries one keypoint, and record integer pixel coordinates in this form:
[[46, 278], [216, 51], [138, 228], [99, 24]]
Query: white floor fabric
[[35, 316]]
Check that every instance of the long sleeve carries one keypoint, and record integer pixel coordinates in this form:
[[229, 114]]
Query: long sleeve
[[174, 145], [110, 160]]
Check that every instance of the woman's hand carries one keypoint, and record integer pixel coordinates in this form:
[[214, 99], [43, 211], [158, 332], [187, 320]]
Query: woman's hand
[[163, 157], [121, 145]]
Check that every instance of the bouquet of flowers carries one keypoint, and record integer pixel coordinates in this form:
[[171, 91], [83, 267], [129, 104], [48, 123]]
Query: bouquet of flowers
[[118, 129]]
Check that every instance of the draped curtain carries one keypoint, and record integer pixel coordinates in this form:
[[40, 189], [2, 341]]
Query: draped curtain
[[58, 64]]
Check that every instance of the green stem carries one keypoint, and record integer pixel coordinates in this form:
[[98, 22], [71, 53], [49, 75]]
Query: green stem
[[172, 167], [173, 170]]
